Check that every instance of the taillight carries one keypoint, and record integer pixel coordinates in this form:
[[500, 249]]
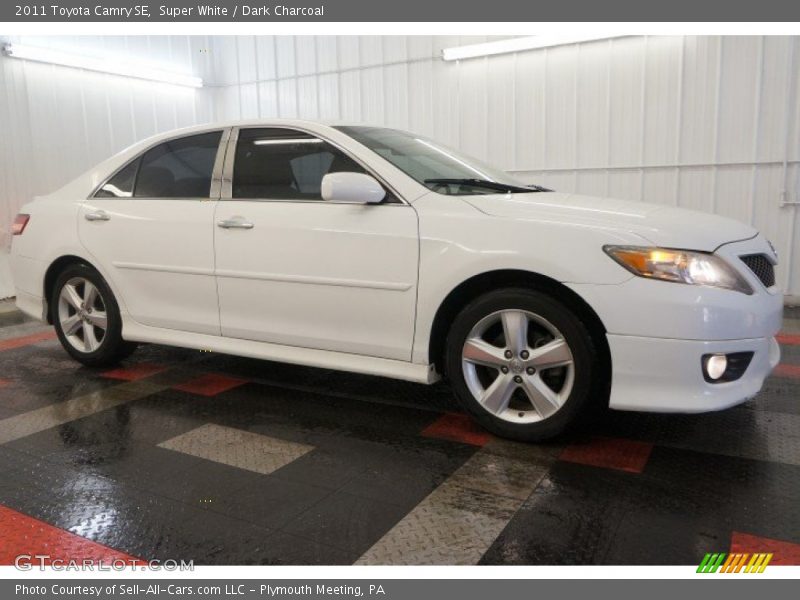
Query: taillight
[[20, 222]]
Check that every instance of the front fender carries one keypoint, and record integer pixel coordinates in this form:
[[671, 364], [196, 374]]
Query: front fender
[[458, 242]]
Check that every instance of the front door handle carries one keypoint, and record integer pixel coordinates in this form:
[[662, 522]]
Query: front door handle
[[97, 215], [235, 223]]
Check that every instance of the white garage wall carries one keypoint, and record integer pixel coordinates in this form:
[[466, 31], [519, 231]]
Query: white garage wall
[[701, 122]]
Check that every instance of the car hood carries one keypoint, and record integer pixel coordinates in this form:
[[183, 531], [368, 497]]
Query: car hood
[[660, 225]]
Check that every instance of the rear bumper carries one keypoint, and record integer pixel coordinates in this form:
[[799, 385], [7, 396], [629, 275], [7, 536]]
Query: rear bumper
[[28, 276], [664, 375], [31, 305]]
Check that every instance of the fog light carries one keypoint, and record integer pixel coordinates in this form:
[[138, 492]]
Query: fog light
[[724, 368], [716, 365]]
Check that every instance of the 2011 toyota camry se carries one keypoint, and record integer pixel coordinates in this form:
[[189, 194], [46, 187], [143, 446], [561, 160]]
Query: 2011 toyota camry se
[[378, 251]]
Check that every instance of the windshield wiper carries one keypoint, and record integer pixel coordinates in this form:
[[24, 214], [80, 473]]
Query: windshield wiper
[[484, 183], [538, 188]]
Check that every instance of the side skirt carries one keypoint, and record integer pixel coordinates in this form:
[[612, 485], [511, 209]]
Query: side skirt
[[324, 359]]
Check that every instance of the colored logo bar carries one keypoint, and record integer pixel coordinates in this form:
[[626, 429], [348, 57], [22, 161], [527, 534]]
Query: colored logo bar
[[734, 563]]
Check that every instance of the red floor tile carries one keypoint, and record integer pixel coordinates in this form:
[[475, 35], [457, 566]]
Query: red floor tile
[[27, 340], [784, 370], [788, 339], [784, 553], [210, 385], [134, 372], [611, 453], [457, 428], [25, 535]]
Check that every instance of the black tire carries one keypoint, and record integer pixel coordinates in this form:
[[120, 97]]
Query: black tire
[[589, 385], [111, 348]]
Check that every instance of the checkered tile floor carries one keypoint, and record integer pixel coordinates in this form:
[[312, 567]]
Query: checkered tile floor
[[178, 454]]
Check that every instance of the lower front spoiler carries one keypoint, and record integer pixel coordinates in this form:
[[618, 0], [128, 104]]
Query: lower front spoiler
[[665, 375]]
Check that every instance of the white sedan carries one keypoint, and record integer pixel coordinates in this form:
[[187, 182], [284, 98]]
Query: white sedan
[[378, 251]]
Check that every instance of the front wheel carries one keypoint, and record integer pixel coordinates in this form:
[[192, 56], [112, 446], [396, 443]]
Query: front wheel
[[86, 318], [523, 364]]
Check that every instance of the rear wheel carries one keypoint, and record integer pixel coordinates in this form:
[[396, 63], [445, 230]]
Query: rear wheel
[[523, 364], [86, 318]]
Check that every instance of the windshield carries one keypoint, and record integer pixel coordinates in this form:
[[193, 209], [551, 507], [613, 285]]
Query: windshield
[[436, 166]]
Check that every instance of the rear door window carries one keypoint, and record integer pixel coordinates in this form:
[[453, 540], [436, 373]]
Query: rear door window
[[180, 168], [121, 184]]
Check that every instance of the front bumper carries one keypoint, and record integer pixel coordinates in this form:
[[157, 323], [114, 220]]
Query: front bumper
[[658, 333], [664, 375]]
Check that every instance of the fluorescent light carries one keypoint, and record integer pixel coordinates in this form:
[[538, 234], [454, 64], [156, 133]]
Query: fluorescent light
[[516, 45], [101, 65], [276, 141]]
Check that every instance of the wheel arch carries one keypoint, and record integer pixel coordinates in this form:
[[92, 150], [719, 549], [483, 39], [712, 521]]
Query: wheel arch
[[470, 289]]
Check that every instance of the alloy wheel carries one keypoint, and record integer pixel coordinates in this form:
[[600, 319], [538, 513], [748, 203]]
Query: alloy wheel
[[82, 314], [518, 366]]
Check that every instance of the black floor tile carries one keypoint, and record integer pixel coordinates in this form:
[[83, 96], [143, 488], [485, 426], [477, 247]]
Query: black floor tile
[[150, 526], [179, 476], [286, 549], [685, 504], [780, 395], [94, 440], [320, 468], [703, 474], [570, 518], [669, 538], [350, 523], [403, 486], [272, 501]]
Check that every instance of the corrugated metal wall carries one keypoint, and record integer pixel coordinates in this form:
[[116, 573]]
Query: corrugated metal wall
[[702, 122]]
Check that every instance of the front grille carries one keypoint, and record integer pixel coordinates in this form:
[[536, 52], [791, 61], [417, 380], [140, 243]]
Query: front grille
[[762, 267]]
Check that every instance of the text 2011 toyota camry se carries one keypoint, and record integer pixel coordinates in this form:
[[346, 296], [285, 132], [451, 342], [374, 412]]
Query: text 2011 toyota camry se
[[377, 251]]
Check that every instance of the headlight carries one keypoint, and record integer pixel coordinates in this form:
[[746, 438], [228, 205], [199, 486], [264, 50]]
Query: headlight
[[680, 266]]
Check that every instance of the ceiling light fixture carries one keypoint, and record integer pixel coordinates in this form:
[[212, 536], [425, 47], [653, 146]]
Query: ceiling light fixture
[[519, 44], [100, 65]]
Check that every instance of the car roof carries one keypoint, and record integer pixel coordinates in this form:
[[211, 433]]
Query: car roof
[[83, 184], [272, 122]]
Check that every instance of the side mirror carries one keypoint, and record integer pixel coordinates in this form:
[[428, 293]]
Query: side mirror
[[353, 188]]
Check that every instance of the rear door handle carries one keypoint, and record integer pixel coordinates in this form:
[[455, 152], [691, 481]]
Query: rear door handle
[[97, 215], [235, 223]]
